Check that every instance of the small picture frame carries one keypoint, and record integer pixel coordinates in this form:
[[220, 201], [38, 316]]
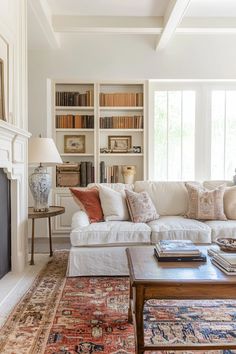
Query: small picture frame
[[74, 144], [2, 98], [119, 143]]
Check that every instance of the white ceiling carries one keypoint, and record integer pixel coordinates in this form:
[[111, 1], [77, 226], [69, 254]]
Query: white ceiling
[[212, 8], [108, 7], [48, 20]]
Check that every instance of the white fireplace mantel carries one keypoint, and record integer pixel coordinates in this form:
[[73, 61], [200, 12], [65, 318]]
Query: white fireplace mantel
[[13, 159]]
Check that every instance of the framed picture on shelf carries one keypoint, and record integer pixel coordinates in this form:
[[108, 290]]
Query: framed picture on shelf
[[119, 143], [74, 144], [2, 105]]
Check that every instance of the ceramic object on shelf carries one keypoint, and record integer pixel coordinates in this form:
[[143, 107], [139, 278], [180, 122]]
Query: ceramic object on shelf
[[128, 172]]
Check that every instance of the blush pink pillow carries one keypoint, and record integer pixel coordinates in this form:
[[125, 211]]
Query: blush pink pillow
[[89, 201], [141, 207]]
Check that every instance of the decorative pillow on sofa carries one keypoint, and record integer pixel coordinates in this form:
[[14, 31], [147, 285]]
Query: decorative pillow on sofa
[[205, 204], [230, 203], [114, 204], [141, 207], [88, 200]]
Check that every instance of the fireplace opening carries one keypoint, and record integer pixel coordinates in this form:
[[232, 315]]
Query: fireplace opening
[[5, 224]]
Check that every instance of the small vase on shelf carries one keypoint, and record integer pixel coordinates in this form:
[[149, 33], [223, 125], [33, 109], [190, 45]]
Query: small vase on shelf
[[128, 173]]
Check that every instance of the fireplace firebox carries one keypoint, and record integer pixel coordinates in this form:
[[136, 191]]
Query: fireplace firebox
[[5, 224]]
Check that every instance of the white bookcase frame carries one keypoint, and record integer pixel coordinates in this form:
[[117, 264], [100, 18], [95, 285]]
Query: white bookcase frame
[[61, 224]]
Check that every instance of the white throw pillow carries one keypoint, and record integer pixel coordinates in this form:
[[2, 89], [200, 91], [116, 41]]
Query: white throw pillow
[[113, 204]]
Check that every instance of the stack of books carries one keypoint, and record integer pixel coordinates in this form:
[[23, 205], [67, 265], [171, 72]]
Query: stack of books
[[178, 251], [224, 261]]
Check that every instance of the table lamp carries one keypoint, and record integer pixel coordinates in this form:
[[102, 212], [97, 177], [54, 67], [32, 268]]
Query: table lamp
[[42, 152]]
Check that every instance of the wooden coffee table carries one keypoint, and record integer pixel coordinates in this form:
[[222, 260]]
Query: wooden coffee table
[[150, 279]]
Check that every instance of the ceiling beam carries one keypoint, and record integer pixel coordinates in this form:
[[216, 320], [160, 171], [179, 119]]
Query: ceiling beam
[[43, 14], [173, 16], [108, 24]]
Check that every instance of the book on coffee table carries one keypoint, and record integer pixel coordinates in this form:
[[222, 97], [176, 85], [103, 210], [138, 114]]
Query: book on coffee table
[[186, 258], [180, 248], [224, 261]]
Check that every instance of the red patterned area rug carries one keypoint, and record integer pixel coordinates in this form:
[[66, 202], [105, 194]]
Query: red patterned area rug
[[89, 315]]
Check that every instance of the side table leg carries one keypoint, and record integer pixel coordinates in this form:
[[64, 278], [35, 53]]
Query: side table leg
[[32, 244], [138, 308], [50, 236], [130, 316]]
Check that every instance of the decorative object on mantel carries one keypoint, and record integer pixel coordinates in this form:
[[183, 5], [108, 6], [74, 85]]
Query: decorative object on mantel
[[2, 98], [128, 172], [42, 151]]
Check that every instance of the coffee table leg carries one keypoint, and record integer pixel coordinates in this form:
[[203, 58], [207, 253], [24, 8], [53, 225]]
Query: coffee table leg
[[138, 308], [130, 316], [50, 236]]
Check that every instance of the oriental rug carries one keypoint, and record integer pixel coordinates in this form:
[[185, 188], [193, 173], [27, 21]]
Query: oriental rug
[[89, 315]]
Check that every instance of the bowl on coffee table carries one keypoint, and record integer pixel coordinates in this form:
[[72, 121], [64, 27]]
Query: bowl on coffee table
[[226, 244]]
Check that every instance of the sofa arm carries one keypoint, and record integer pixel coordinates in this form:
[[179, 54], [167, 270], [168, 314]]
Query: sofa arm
[[79, 219]]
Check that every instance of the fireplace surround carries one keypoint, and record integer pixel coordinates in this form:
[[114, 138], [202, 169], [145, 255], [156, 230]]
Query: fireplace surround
[[13, 160]]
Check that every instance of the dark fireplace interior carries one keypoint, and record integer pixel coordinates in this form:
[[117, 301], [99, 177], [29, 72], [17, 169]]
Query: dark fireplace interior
[[5, 224]]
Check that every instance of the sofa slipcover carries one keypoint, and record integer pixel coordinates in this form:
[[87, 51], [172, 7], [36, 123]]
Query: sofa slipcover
[[222, 228], [178, 227], [111, 232]]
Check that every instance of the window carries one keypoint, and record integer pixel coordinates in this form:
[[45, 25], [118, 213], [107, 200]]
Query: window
[[223, 134], [192, 130], [174, 135]]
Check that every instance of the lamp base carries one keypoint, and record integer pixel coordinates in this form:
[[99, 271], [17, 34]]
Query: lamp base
[[40, 185]]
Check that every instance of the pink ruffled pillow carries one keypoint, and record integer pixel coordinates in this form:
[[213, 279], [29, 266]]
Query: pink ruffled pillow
[[141, 207]]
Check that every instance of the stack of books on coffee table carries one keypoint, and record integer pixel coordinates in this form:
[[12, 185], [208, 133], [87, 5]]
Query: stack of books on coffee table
[[224, 261], [178, 251]]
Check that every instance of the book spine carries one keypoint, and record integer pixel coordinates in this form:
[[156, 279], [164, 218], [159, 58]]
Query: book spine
[[83, 174], [88, 172]]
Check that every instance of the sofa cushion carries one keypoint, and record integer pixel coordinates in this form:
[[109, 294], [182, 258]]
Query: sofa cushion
[[222, 228], [111, 232], [205, 204], [141, 207], [169, 198], [114, 204], [89, 201], [179, 228]]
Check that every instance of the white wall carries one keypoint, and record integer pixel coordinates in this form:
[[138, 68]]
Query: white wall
[[122, 57]]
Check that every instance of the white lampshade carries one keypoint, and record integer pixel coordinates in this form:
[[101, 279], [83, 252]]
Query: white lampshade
[[44, 151]]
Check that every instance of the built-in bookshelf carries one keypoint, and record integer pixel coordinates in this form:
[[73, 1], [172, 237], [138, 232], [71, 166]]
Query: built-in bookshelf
[[100, 122]]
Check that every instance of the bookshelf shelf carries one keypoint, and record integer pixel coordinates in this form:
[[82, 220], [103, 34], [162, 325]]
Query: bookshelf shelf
[[74, 108], [119, 108], [74, 130], [75, 154], [122, 154], [122, 130]]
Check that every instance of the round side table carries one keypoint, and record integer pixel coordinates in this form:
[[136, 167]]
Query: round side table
[[53, 211]]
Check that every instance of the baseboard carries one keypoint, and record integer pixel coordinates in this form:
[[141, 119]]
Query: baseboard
[[41, 244]]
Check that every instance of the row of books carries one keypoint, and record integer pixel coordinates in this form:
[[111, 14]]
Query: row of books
[[65, 98], [109, 174], [75, 174], [224, 261], [74, 121], [118, 122], [178, 251], [130, 99]]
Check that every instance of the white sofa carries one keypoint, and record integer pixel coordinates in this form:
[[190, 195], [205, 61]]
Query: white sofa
[[99, 248]]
